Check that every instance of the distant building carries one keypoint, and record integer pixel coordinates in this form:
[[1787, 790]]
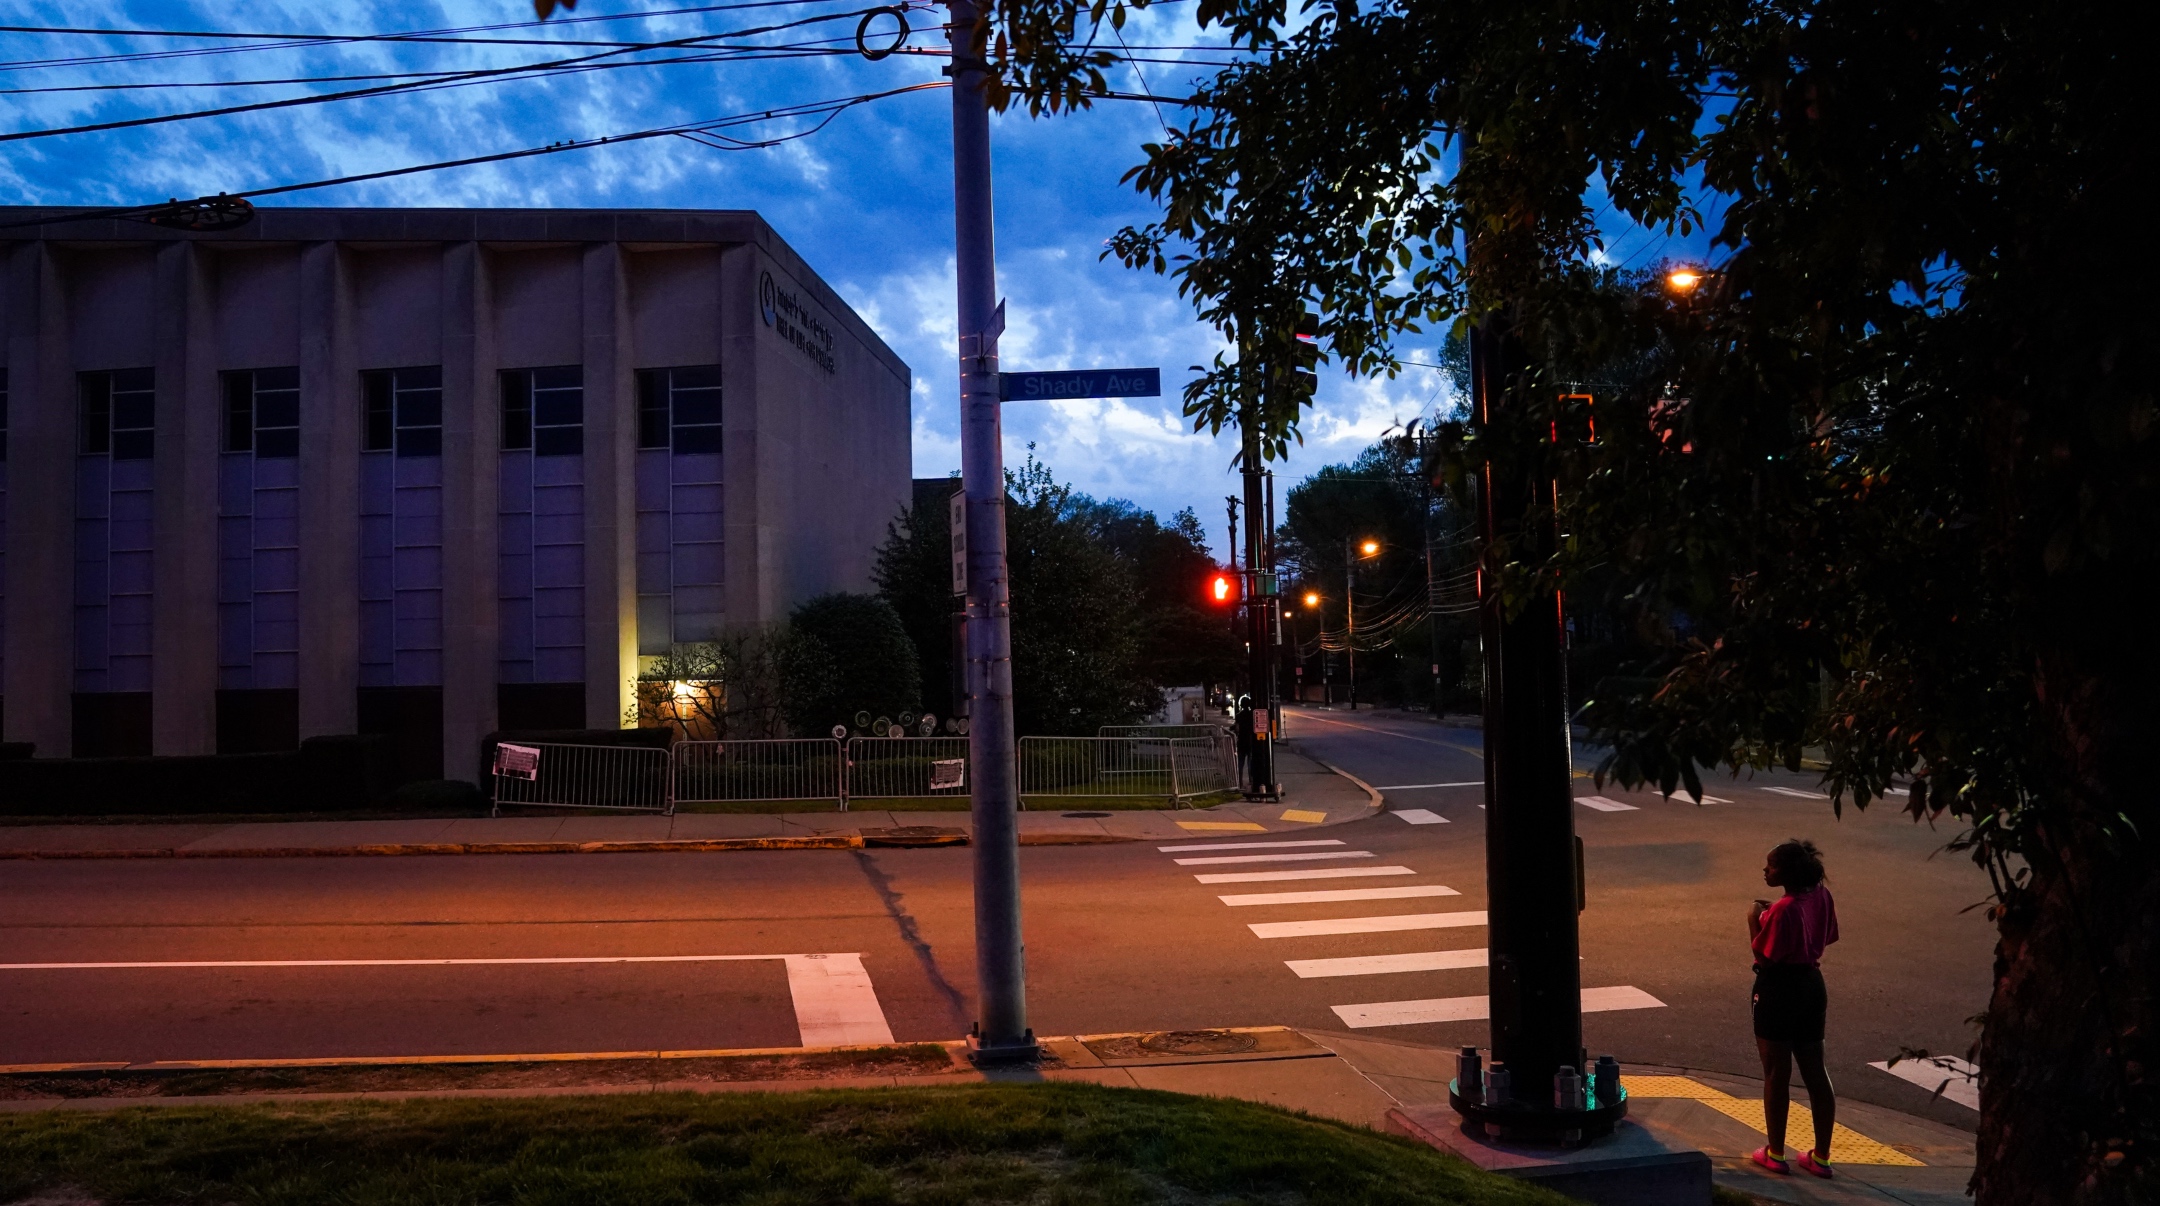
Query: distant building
[[421, 472]]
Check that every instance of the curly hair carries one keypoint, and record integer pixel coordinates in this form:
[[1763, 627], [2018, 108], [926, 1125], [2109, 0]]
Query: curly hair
[[1799, 864]]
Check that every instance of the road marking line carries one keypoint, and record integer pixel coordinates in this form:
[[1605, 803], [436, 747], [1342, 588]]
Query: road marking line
[[1796, 793], [1303, 815], [1897, 791], [1708, 799], [1256, 877], [1365, 925], [1229, 826], [1331, 895], [1375, 965], [1424, 786], [1477, 1009], [1946, 1076], [1420, 816], [1473, 752], [1273, 858], [1248, 845], [835, 1004], [385, 962], [1603, 804]]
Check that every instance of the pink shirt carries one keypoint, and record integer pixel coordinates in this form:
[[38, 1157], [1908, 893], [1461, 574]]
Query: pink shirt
[[1796, 928]]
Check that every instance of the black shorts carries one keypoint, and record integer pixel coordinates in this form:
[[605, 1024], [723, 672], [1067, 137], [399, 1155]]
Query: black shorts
[[1790, 1003]]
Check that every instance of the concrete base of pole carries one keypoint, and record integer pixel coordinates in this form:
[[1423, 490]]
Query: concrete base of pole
[[1630, 1167], [1002, 1055]]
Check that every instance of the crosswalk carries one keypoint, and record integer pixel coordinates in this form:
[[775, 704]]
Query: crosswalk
[[1605, 804], [1458, 961]]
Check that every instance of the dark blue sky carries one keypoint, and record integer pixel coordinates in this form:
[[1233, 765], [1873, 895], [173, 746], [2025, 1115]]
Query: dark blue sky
[[868, 200]]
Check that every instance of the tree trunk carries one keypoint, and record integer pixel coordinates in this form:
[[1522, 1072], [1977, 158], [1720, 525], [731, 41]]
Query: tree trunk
[[2070, 1090]]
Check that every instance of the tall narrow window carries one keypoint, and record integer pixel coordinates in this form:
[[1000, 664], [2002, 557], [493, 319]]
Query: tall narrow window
[[119, 413], [544, 410], [679, 408], [404, 410], [262, 411]]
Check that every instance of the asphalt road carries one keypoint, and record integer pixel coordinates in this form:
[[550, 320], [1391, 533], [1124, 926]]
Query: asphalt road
[[1120, 937]]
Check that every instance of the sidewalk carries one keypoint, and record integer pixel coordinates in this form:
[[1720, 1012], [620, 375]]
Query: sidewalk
[[1882, 1156], [1312, 795]]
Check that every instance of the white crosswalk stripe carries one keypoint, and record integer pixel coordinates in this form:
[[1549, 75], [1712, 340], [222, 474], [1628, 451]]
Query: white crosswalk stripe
[[1947, 1075], [1420, 816], [1331, 895], [1264, 877], [1796, 793], [1602, 804], [1375, 965], [1365, 925], [1474, 1009], [1247, 845], [1273, 858]]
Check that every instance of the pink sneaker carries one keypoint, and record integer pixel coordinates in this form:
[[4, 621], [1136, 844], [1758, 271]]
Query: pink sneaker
[[1763, 1157], [1820, 1168]]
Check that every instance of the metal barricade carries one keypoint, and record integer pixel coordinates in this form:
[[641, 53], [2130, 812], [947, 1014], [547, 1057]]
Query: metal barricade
[[806, 770], [615, 778], [1175, 768], [886, 768], [1161, 730]]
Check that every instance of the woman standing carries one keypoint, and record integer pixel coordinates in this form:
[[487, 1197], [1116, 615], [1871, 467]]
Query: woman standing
[[1788, 937]]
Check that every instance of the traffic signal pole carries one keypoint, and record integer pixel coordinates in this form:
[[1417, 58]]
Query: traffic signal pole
[[1001, 1027], [1532, 866]]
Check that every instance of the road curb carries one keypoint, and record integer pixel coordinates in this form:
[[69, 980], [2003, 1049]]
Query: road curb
[[1374, 801], [822, 841]]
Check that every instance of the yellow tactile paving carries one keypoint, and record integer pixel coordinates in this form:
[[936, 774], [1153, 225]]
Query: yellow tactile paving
[[1847, 1146], [1303, 814], [1670, 1086], [1232, 826]]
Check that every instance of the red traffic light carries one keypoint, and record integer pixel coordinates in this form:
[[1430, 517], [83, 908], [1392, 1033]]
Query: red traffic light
[[1222, 589]]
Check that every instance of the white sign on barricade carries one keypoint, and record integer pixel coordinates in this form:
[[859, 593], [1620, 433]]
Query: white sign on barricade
[[948, 773], [517, 761]]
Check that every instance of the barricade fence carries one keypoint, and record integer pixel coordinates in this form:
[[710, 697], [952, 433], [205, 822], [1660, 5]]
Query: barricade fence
[[615, 778], [906, 767], [712, 772], [816, 770], [1162, 730]]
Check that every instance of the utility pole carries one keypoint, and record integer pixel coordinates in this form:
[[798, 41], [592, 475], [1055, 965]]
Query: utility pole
[[1260, 604], [1001, 1027], [1349, 575], [1532, 858]]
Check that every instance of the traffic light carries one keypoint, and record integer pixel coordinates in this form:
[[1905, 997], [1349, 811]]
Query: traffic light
[[1222, 588], [1304, 379]]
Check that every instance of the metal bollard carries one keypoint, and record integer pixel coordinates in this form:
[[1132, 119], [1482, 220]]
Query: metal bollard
[[1470, 1074]]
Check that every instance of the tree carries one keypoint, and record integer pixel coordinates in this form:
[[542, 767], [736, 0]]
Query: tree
[[731, 687], [852, 655], [1897, 452], [1092, 638], [1182, 642]]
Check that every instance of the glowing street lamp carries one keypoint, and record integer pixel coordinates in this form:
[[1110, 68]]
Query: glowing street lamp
[[1683, 280]]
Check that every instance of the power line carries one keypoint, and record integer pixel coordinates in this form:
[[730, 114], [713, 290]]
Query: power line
[[491, 74], [827, 109]]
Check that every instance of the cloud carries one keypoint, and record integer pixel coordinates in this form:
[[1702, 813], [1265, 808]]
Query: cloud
[[867, 201]]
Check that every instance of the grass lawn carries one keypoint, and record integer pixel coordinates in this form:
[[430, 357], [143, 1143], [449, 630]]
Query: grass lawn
[[1054, 1144]]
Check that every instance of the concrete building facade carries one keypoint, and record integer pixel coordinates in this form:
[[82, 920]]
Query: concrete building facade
[[422, 472]]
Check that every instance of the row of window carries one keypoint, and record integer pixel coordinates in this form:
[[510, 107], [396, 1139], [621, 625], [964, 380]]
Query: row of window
[[543, 409]]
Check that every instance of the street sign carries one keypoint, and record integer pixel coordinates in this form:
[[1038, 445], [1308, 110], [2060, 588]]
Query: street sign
[[517, 761], [1080, 383], [958, 527]]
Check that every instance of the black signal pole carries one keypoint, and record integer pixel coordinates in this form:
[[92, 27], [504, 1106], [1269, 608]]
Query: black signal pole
[[1261, 603], [1531, 860]]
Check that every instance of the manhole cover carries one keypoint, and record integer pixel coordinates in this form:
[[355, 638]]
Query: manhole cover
[[1197, 1042], [1087, 814]]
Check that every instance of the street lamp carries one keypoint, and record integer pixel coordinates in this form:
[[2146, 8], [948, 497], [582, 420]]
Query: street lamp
[[1683, 280]]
